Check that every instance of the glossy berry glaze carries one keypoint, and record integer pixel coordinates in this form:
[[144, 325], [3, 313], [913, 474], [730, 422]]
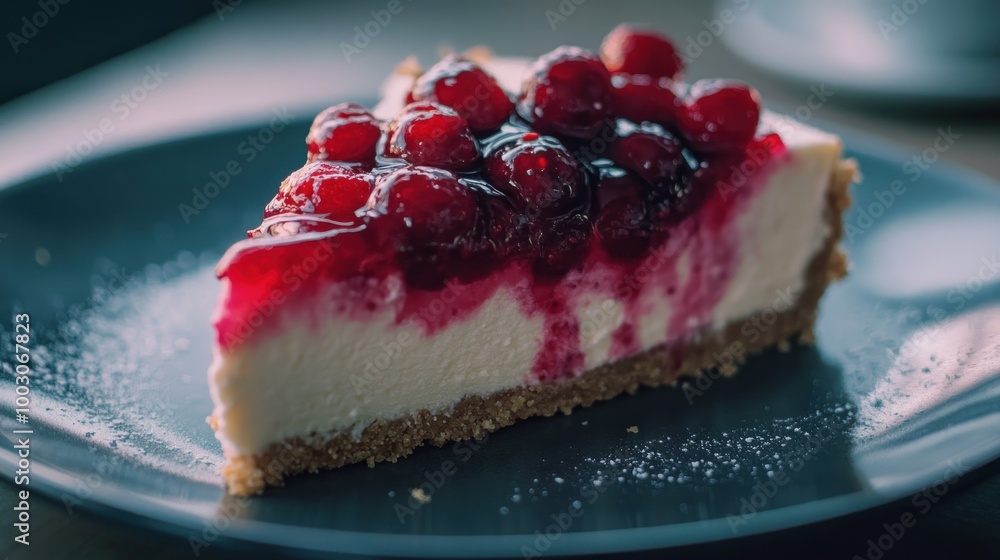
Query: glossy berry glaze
[[553, 196]]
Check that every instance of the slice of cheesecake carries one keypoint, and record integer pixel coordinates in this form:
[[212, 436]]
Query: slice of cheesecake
[[502, 239]]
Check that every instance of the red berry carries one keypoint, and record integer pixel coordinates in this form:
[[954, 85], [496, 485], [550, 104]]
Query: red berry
[[622, 224], [345, 133], [568, 93], [650, 152], [425, 205], [640, 98], [466, 88], [539, 177], [719, 116], [507, 228], [563, 243], [433, 135], [321, 188], [637, 51], [675, 201]]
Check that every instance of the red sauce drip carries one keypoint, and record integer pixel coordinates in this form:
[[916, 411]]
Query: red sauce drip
[[343, 276]]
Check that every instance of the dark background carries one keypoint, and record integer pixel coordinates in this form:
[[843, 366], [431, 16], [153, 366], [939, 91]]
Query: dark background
[[88, 32]]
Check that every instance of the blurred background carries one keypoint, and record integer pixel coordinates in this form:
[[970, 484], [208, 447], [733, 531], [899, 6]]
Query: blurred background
[[82, 79], [900, 69]]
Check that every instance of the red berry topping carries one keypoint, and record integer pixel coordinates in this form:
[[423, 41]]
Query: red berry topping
[[719, 116], [640, 98], [322, 188], [563, 243], [433, 135], [466, 88], [538, 176], [650, 152], [622, 223], [345, 133], [675, 201], [568, 93], [425, 205], [506, 227], [600, 161], [637, 51]]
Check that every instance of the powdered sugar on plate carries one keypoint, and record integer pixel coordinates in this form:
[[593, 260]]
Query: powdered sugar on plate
[[98, 371]]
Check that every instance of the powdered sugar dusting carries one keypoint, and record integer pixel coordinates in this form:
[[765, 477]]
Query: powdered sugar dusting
[[98, 371], [930, 366], [700, 459]]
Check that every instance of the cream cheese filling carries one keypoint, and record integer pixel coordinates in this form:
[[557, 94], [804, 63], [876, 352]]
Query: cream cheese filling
[[345, 375]]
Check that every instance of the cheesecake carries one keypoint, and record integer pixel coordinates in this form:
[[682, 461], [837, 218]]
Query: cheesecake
[[502, 238]]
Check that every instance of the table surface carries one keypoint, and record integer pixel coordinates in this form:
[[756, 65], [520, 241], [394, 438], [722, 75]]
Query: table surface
[[241, 64]]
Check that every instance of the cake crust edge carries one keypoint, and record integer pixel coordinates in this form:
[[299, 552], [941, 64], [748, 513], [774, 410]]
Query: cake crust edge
[[474, 416]]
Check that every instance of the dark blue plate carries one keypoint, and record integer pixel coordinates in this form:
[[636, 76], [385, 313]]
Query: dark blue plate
[[114, 266]]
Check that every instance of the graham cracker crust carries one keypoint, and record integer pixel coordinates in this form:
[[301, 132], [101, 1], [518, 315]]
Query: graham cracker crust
[[475, 416]]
